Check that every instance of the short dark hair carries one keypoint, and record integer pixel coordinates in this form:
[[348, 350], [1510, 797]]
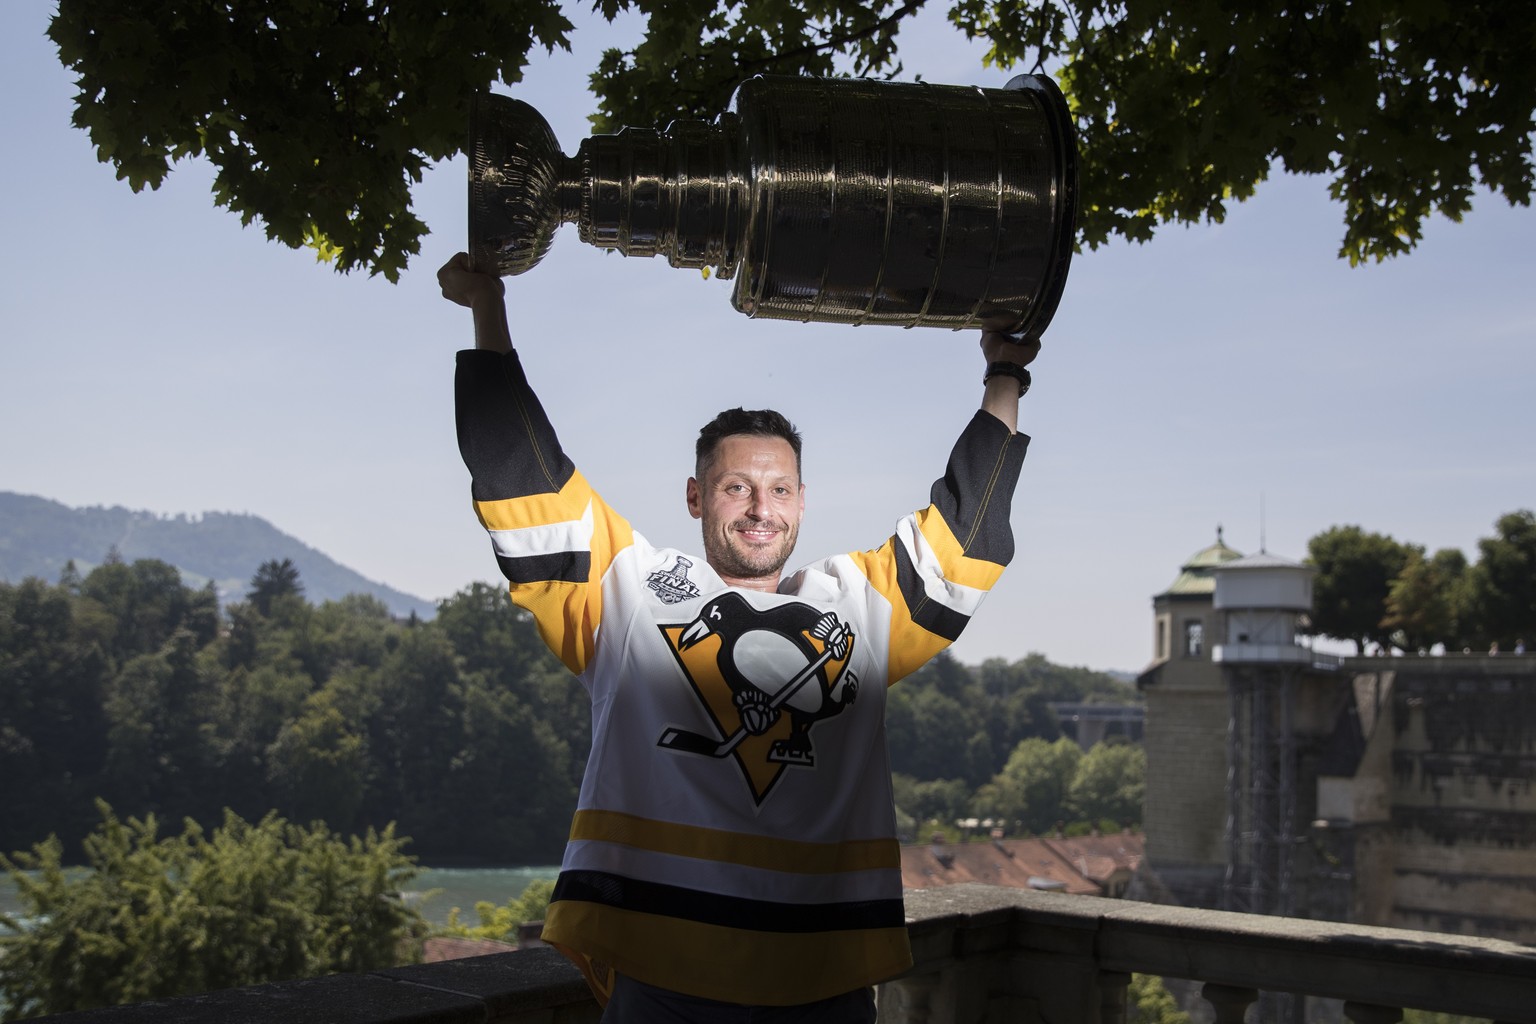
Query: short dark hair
[[750, 422]]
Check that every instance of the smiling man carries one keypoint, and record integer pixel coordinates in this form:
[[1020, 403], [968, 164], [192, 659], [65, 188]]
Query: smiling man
[[747, 490], [733, 856]]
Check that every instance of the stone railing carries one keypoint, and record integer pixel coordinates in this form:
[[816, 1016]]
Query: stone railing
[[984, 955], [988, 955]]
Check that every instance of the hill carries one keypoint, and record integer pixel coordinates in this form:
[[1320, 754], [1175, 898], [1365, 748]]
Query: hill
[[38, 537]]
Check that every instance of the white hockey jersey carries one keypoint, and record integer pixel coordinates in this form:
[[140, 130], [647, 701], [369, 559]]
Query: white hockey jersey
[[734, 837]]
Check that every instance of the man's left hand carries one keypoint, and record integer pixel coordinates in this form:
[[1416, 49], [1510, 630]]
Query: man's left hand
[[1004, 348]]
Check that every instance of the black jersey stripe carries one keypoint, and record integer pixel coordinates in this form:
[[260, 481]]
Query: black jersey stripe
[[561, 567], [974, 494], [498, 414], [933, 616], [728, 911]]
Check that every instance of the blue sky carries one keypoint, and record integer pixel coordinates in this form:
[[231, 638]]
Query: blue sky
[[154, 354]]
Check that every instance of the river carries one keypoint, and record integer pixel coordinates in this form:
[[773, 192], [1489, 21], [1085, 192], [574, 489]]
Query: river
[[435, 891]]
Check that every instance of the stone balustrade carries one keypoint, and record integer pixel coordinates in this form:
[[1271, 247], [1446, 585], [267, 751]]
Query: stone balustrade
[[984, 955]]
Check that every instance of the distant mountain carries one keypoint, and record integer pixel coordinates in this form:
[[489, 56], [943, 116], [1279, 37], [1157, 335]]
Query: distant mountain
[[39, 536]]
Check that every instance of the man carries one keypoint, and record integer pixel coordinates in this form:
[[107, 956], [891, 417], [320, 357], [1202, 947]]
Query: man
[[733, 855]]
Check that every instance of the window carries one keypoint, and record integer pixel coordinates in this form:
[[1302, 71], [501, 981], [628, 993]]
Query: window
[[1194, 638]]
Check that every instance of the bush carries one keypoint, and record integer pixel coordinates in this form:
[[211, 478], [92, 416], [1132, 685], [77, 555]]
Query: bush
[[501, 923], [156, 918]]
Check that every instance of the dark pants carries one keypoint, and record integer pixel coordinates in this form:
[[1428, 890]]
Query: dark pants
[[634, 1002]]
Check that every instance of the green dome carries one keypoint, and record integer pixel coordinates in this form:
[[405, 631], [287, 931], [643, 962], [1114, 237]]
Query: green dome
[[1198, 575]]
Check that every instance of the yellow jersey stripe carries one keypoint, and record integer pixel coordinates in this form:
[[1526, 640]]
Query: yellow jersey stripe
[[767, 852]]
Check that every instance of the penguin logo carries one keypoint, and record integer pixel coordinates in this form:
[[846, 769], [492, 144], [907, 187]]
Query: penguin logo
[[765, 678]]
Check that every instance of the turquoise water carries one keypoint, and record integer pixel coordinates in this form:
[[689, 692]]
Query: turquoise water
[[434, 892]]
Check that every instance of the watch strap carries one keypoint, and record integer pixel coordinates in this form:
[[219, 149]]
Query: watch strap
[[1014, 370]]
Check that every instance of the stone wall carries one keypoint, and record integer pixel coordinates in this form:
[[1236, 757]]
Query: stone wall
[[1186, 804], [1464, 797]]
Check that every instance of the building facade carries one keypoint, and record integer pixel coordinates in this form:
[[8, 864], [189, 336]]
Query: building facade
[[1396, 791]]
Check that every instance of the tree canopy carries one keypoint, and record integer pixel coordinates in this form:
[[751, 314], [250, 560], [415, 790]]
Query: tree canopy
[[1373, 589], [129, 686], [1355, 570], [320, 117]]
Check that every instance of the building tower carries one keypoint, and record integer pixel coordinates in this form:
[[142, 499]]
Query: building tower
[[1188, 710], [1258, 603]]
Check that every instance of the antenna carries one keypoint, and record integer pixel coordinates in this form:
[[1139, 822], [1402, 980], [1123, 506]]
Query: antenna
[[1262, 549]]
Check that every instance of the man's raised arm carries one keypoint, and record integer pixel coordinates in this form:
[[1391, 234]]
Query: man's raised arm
[[1004, 386], [484, 294]]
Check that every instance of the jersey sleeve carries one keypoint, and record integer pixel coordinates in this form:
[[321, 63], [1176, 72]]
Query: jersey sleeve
[[941, 561], [553, 536]]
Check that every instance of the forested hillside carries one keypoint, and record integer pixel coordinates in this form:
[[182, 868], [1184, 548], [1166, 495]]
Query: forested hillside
[[125, 684], [38, 537]]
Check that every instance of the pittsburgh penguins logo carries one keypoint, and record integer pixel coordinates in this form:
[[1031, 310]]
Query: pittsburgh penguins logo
[[765, 677]]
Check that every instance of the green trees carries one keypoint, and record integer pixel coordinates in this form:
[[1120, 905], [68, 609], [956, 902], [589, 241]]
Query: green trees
[[1042, 785], [242, 904], [463, 731], [1110, 784], [1355, 570], [1425, 602], [52, 720], [983, 742], [273, 581], [1501, 588], [1032, 787], [320, 118], [123, 685], [501, 923], [1373, 589]]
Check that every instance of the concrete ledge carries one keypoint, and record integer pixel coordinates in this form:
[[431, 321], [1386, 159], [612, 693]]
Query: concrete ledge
[[982, 954], [533, 985], [1456, 974]]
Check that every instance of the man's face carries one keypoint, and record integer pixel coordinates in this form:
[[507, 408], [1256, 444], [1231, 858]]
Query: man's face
[[751, 501]]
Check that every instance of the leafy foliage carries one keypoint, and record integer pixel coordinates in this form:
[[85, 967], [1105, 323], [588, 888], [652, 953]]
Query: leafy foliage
[[464, 730], [1501, 588], [1355, 570], [1152, 1003], [321, 116], [273, 581], [126, 685], [501, 923], [157, 917], [1373, 589], [1033, 786], [1430, 1017], [1425, 600], [1110, 783]]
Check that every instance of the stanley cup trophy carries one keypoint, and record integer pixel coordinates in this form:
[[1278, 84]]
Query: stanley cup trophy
[[831, 200]]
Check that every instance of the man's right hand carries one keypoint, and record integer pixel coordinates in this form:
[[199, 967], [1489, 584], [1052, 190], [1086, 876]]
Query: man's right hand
[[483, 295], [465, 286]]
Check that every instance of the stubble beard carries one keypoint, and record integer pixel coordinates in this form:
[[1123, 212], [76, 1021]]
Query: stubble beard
[[729, 559]]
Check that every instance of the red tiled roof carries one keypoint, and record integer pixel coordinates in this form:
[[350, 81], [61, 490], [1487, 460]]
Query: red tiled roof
[[1101, 857], [1082, 864], [453, 947]]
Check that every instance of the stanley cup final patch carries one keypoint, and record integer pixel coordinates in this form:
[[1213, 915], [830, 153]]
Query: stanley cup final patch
[[673, 585], [765, 678]]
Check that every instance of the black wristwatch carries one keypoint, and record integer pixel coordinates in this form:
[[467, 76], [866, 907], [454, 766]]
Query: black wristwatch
[[1014, 370]]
